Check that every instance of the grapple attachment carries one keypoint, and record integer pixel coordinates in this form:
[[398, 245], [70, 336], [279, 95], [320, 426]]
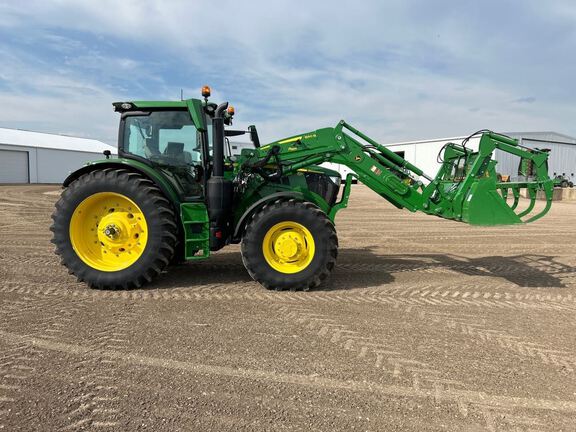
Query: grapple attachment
[[468, 189]]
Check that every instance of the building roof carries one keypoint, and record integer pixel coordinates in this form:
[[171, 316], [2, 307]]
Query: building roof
[[24, 138], [460, 138], [547, 136]]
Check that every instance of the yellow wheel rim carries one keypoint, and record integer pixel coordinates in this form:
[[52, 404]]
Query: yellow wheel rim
[[288, 247], [108, 231]]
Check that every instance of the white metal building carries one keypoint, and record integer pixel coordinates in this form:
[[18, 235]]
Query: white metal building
[[424, 153], [236, 147], [562, 160], [35, 157]]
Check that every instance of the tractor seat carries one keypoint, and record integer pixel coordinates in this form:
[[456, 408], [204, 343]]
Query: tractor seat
[[176, 150]]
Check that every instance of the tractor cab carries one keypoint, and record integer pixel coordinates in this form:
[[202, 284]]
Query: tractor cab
[[176, 138]]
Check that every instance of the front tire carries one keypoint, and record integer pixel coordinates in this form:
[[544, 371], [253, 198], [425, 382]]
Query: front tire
[[290, 245], [114, 229]]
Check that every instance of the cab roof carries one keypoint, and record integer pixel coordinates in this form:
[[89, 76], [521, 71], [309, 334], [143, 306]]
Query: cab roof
[[194, 106]]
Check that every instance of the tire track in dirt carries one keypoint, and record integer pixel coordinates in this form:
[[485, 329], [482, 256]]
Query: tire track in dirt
[[36, 260], [394, 298], [476, 284], [18, 363], [478, 329], [54, 319], [492, 407], [400, 367], [96, 404], [540, 263], [534, 268]]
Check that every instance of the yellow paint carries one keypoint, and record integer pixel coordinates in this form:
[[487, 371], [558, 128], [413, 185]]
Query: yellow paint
[[288, 247], [108, 231], [309, 170], [289, 140]]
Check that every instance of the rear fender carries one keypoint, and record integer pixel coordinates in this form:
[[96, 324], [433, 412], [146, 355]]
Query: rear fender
[[130, 165]]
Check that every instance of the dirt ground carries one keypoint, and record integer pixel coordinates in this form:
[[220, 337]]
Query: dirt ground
[[425, 325]]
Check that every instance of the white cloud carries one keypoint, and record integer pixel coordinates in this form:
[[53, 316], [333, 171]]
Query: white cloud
[[397, 69]]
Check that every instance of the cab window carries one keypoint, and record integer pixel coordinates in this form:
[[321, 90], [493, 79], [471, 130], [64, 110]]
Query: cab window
[[166, 137]]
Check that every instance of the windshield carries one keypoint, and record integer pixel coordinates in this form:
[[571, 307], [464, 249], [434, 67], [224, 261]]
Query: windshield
[[167, 137]]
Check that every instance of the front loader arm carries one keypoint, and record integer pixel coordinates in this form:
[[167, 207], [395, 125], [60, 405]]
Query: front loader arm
[[464, 189], [384, 176]]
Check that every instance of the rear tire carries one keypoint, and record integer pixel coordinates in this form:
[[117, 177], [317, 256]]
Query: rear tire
[[290, 245], [79, 221]]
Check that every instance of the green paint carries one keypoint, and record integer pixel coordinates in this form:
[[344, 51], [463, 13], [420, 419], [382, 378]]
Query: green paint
[[485, 206], [197, 114], [156, 176], [464, 189], [159, 104], [194, 218], [343, 203]]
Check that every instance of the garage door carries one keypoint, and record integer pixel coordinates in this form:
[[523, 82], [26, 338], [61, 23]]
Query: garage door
[[13, 166]]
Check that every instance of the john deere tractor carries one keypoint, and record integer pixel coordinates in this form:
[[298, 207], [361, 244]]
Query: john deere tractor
[[175, 194]]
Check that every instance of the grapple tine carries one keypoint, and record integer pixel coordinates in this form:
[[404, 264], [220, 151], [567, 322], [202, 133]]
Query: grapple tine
[[504, 192], [542, 213], [532, 193], [516, 194], [548, 188]]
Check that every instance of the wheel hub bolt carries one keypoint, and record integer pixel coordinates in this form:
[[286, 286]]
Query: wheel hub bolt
[[112, 231]]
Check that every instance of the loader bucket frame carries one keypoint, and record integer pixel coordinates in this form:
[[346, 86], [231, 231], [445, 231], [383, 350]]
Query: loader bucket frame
[[468, 181]]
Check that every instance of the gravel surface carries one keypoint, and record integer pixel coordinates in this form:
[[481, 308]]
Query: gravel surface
[[425, 325]]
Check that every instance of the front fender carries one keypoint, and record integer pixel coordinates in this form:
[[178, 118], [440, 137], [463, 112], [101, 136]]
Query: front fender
[[239, 228], [130, 165], [300, 195]]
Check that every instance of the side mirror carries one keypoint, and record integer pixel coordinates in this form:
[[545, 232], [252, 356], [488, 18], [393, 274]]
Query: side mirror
[[107, 153], [254, 136]]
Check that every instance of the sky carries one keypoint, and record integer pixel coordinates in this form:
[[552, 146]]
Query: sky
[[398, 70]]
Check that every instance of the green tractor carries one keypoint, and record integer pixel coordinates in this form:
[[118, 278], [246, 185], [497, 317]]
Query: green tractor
[[174, 194]]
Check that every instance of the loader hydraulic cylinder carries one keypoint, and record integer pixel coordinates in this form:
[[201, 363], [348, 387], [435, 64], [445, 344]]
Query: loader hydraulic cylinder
[[396, 159], [466, 188]]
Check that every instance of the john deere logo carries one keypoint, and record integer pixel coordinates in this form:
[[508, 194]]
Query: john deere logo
[[358, 158]]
